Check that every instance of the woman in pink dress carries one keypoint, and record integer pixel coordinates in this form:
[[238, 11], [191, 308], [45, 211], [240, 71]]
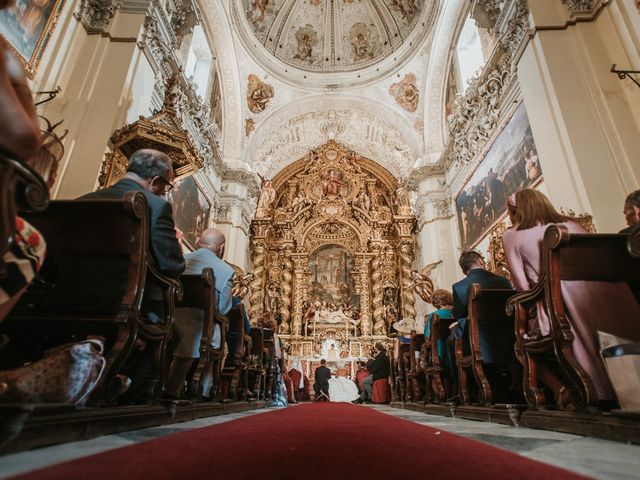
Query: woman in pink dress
[[591, 306]]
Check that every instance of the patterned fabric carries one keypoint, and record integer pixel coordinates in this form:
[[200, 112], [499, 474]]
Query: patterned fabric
[[23, 260]]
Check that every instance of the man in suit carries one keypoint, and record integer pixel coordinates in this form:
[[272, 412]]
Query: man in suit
[[322, 376], [189, 321], [473, 266], [378, 368], [150, 172], [631, 211]]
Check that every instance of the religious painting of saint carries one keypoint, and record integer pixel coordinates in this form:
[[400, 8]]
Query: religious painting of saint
[[510, 165], [190, 211], [28, 27], [330, 281]]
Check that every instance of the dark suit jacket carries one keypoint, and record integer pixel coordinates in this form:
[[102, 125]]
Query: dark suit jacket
[[323, 374], [460, 290], [379, 367], [163, 244]]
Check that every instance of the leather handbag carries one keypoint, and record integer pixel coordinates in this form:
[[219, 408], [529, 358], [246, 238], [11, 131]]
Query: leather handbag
[[66, 374]]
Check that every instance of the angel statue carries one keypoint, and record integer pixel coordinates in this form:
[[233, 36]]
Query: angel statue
[[240, 286], [422, 283], [266, 199]]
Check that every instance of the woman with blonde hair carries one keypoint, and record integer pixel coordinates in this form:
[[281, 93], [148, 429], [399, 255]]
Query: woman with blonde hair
[[591, 306]]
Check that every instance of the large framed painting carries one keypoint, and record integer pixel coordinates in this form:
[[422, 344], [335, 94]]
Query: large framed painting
[[509, 165], [190, 210], [28, 27]]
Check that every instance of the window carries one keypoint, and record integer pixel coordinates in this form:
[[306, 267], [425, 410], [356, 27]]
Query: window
[[469, 52], [199, 61]]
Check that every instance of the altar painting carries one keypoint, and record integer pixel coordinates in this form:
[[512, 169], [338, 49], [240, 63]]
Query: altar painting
[[330, 281], [190, 210], [510, 165]]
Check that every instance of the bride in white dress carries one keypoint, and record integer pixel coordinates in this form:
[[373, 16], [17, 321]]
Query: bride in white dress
[[342, 389]]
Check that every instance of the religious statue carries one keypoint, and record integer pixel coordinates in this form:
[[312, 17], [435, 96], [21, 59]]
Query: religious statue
[[332, 184], [402, 200], [266, 199], [422, 283], [241, 284], [272, 298], [362, 201], [299, 202]]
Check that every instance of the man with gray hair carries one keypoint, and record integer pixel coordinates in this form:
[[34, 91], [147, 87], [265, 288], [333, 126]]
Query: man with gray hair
[[631, 211], [190, 321], [150, 172]]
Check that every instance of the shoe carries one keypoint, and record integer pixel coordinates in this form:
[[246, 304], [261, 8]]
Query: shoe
[[357, 401]]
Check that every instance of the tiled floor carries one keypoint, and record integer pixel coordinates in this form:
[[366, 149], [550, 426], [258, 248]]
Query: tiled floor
[[595, 458]]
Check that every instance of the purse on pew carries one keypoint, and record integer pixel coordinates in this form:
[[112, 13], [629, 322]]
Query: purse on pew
[[66, 374]]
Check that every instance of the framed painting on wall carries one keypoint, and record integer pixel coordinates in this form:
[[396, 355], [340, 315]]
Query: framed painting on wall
[[190, 210], [510, 164], [28, 26]]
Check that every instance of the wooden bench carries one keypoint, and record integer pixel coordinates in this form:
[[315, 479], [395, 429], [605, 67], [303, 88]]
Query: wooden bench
[[399, 374], [270, 361], [437, 386], [234, 373], [93, 282], [200, 293], [21, 189], [610, 258], [491, 340], [256, 369], [415, 372]]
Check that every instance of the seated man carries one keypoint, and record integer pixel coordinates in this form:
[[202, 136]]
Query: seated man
[[631, 211], [322, 375], [190, 321], [379, 367], [150, 172]]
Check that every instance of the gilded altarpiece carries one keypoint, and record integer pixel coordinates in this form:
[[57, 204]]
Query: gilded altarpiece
[[332, 251]]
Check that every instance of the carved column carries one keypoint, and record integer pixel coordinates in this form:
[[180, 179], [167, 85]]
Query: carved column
[[363, 261], [285, 294], [299, 285], [258, 259], [407, 298], [377, 280]]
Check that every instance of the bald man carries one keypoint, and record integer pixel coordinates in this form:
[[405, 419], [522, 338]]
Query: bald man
[[189, 321]]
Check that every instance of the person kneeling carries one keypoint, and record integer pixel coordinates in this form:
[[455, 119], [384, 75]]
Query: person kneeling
[[322, 375]]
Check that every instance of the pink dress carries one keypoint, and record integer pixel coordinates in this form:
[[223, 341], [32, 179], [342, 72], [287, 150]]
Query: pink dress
[[591, 306]]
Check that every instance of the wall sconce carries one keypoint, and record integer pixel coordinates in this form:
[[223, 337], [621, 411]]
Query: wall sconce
[[622, 74]]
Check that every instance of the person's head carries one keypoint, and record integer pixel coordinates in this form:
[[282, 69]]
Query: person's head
[[470, 259], [380, 347], [442, 298], [529, 208], [213, 239], [632, 208], [152, 169], [323, 362], [7, 4]]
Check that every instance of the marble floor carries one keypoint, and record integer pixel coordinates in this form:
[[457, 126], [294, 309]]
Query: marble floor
[[595, 458]]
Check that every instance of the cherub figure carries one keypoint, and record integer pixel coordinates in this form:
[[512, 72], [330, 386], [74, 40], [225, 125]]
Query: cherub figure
[[422, 283]]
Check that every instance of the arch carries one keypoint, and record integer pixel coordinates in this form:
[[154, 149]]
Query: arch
[[371, 128], [218, 27]]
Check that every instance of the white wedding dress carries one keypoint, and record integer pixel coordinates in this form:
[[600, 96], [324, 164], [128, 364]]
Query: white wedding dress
[[342, 390]]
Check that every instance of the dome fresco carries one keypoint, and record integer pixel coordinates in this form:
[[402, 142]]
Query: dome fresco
[[333, 35]]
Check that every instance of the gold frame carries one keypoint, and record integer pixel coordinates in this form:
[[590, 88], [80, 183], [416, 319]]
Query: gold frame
[[32, 64]]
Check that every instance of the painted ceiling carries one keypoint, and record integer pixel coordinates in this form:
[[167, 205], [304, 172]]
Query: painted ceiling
[[334, 35]]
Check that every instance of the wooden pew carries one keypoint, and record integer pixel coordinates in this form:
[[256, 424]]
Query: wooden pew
[[256, 369], [74, 298], [610, 258], [200, 293], [438, 388], [234, 373], [21, 189], [270, 362], [398, 367], [415, 373], [487, 320]]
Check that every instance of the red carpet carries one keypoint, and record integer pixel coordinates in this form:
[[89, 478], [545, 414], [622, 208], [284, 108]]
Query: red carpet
[[314, 441]]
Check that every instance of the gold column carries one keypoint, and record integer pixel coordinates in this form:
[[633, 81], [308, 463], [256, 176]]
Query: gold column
[[285, 297], [379, 325], [363, 261], [258, 259]]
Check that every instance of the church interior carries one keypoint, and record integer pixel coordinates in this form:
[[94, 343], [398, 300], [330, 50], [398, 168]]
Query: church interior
[[319, 238]]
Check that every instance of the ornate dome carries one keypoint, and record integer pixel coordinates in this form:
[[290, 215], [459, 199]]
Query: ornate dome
[[335, 35]]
